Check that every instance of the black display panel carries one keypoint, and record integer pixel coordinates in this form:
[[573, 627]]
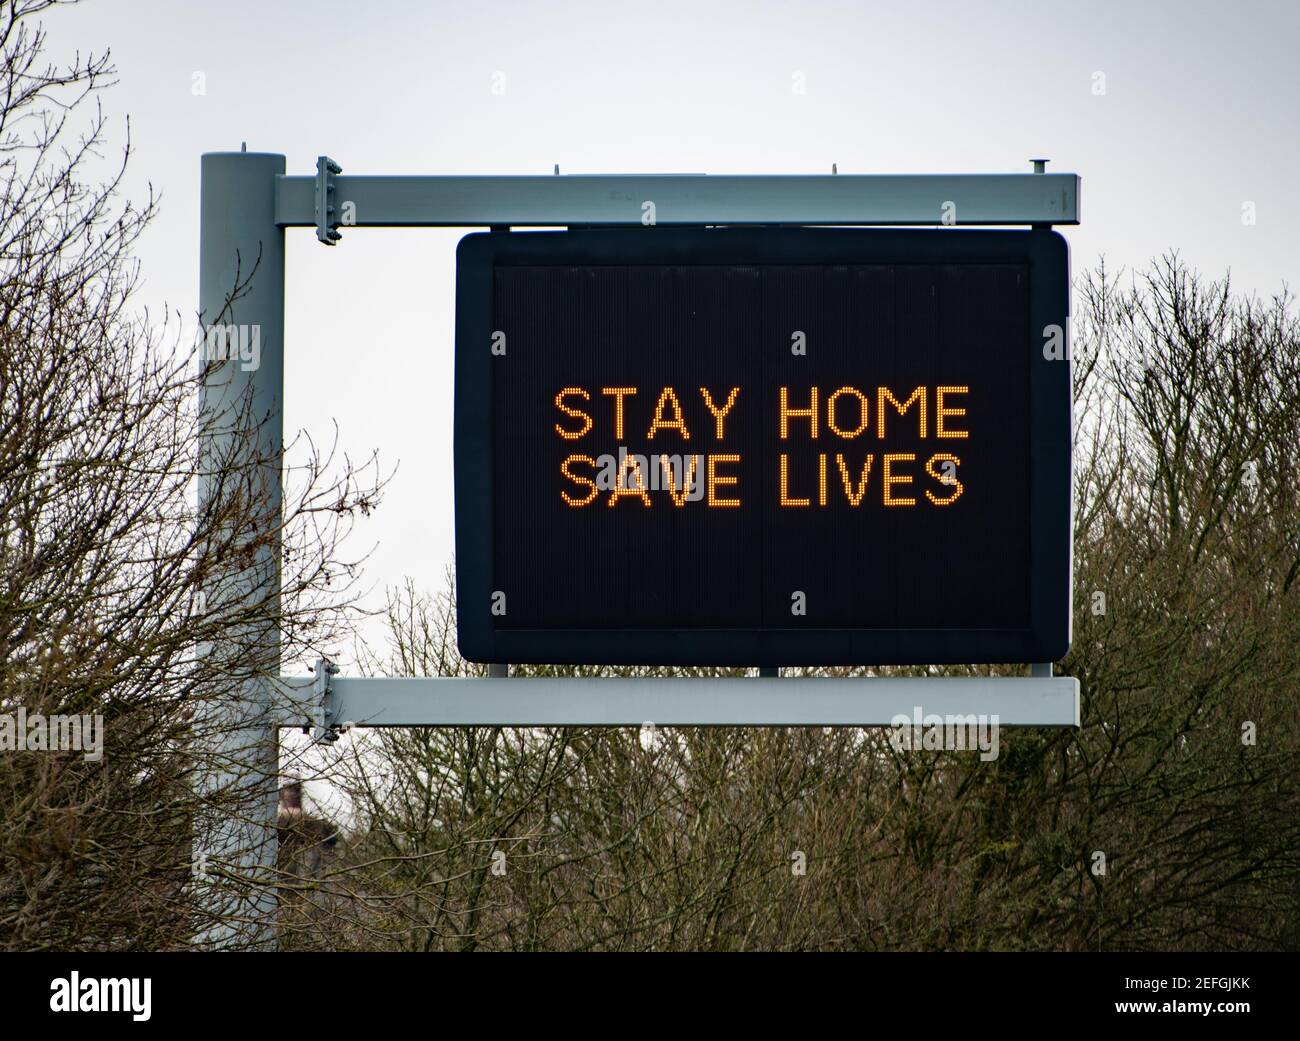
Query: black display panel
[[762, 447]]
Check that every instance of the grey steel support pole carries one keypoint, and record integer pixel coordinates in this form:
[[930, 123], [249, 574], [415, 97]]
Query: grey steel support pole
[[241, 244]]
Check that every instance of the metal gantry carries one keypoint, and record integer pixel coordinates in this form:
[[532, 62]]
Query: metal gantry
[[248, 201]]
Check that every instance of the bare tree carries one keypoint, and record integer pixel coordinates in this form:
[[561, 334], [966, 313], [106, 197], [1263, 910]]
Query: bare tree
[[1168, 821], [108, 569]]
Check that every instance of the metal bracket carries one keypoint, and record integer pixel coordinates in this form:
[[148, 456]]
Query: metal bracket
[[615, 200], [325, 704], [326, 168], [869, 701]]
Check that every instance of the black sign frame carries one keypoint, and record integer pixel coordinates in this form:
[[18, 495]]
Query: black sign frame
[[1050, 424]]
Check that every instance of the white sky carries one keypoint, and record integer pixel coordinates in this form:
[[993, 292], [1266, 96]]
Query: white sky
[[1199, 115]]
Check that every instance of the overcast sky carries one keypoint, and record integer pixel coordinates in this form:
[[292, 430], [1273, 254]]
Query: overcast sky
[[1174, 114]]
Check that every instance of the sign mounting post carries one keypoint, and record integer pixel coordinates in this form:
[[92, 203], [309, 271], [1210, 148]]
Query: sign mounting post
[[241, 245]]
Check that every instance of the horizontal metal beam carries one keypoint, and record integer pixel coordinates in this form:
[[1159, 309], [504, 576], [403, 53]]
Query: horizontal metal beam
[[562, 201], [789, 701]]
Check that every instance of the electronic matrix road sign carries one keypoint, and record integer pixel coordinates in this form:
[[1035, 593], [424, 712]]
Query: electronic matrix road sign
[[763, 446]]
